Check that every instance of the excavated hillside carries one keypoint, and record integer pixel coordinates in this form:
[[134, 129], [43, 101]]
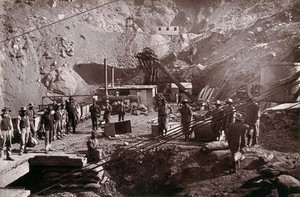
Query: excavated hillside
[[43, 40]]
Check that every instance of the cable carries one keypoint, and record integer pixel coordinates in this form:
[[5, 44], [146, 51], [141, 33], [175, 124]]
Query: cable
[[176, 134], [55, 22], [179, 135]]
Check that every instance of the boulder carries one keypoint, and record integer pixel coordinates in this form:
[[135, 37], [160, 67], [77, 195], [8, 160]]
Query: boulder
[[287, 185], [213, 146]]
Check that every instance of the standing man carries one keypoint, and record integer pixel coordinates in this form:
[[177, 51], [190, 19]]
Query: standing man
[[71, 108], [64, 117], [32, 115], [107, 110], [216, 122], [57, 122], [23, 127], [6, 133], [95, 112], [236, 137], [228, 118], [47, 124], [251, 119], [164, 111], [121, 110], [179, 101], [186, 117]]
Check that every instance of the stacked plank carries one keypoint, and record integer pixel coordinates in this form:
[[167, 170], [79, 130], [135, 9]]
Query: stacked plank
[[67, 171]]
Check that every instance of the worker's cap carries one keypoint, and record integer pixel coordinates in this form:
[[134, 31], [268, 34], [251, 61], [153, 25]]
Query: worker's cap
[[218, 102], [23, 108], [239, 117], [184, 101], [229, 100], [5, 109], [30, 105]]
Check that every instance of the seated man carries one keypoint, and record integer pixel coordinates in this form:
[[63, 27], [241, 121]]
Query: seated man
[[95, 154]]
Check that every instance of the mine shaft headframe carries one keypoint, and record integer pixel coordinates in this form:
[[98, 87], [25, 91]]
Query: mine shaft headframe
[[148, 61]]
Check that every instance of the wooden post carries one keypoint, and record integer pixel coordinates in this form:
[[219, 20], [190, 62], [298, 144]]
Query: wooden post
[[105, 77]]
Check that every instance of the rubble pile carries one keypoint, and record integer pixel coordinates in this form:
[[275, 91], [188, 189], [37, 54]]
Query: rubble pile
[[279, 130], [152, 172]]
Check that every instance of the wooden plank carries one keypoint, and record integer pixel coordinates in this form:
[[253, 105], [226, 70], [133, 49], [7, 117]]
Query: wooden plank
[[60, 160], [13, 192], [14, 174]]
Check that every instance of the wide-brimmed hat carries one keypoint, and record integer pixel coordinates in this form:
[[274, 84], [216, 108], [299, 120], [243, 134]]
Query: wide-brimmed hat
[[218, 102], [30, 105], [5, 109], [239, 117], [184, 101], [229, 100], [23, 108]]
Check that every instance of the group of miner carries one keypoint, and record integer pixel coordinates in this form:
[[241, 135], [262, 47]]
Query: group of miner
[[239, 129], [59, 119]]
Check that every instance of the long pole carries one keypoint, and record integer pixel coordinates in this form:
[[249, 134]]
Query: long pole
[[105, 77]]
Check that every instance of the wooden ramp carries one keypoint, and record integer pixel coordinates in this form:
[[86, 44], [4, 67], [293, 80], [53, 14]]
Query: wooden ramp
[[12, 192]]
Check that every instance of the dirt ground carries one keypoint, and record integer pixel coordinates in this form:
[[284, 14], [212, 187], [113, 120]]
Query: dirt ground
[[176, 168]]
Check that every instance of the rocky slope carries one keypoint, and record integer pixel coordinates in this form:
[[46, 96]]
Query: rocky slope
[[219, 38]]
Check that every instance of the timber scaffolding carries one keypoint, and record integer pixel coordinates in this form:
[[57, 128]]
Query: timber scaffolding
[[149, 63], [67, 179]]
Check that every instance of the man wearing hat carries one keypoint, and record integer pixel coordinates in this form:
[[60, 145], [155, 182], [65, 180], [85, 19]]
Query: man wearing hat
[[164, 111], [6, 133], [95, 112], [228, 118], [47, 124], [71, 108], [23, 127], [216, 122], [236, 139], [251, 119], [186, 117], [32, 115], [107, 110]]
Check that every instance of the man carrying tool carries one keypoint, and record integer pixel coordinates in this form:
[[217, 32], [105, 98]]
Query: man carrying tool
[[186, 117]]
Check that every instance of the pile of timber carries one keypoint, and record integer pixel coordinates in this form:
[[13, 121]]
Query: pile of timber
[[67, 171]]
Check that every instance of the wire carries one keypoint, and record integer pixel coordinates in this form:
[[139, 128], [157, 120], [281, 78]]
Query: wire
[[55, 22], [175, 135]]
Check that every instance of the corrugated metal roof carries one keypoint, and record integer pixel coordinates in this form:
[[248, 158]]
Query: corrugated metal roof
[[185, 84]]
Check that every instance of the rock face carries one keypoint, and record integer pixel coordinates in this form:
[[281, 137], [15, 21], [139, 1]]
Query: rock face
[[219, 39]]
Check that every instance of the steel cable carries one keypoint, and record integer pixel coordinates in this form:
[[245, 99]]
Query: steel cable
[[174, 135]]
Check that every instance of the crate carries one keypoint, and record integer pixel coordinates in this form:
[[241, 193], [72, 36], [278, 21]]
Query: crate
[[122, 127]]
